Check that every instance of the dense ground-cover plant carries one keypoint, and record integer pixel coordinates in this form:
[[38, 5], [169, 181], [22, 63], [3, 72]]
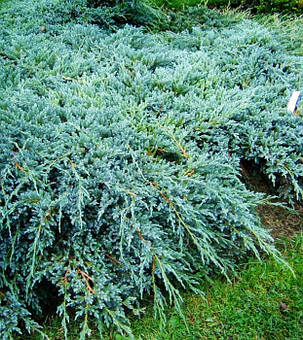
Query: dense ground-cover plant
[[120, 160]]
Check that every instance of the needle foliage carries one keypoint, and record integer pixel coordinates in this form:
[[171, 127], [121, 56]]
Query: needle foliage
[[120, 160]]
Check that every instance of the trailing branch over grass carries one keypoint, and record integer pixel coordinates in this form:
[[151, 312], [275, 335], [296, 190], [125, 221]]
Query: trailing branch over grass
[[119, 162]]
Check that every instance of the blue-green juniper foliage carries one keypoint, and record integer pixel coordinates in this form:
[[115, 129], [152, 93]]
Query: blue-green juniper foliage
[[120, 160]]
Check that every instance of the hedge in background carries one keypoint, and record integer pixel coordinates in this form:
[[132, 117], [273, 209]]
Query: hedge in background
[[263, 6], [120, 161]]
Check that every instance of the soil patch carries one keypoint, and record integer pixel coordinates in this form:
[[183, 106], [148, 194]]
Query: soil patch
[[279, 220]]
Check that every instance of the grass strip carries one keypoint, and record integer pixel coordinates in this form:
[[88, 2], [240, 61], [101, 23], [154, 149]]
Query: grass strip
[[265, 301]]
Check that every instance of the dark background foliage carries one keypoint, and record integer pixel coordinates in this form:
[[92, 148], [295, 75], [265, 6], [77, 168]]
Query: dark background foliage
[[263, 6]]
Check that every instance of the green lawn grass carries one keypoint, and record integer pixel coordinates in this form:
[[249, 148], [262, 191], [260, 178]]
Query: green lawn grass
[[249, 308], [265, 301]]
